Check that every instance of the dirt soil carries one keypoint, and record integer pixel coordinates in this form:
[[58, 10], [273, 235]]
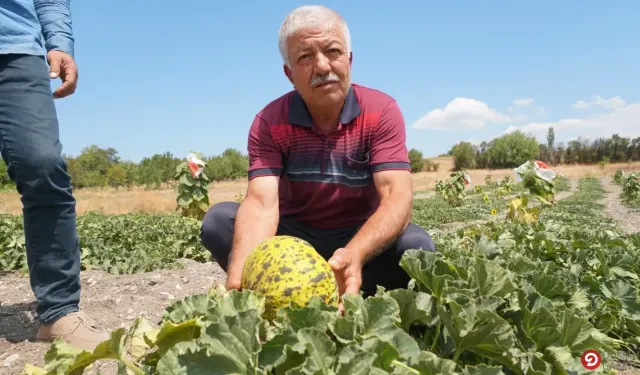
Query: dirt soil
[[628, 219], [112, 301]]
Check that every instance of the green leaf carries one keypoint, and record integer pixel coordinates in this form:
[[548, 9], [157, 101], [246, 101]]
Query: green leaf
[[492, 279], [236, 338], [191, 307], [429, 270], [188, 358], [482, 370], [430, 363], [415, 307]]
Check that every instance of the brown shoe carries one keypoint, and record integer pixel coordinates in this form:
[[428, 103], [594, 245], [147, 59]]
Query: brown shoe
[[76, 329]]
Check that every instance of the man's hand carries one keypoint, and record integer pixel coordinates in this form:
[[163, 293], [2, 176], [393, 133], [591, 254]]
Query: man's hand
[[62, 65], [234, 281], [347, 266]]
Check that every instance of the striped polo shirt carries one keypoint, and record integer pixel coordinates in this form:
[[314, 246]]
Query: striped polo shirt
[[326, 180]]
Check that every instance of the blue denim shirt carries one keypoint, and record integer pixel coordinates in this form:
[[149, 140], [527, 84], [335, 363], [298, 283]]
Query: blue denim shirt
[[35, 27]]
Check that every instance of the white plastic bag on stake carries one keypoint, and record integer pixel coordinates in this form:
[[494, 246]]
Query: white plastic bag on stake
[[196, 166], [541, 169], [467, 178]]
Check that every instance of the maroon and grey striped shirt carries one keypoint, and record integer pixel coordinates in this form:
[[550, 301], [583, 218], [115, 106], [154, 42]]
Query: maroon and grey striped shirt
[[326, 181]]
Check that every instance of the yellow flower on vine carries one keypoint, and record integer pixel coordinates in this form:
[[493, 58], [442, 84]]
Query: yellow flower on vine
[[494, 212]]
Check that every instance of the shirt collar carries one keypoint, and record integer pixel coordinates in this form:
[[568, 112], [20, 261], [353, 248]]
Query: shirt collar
[[299, 114]]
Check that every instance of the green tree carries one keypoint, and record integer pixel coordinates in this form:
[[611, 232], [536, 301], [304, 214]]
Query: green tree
[[116, 175], [464, 156], [416, 160], [511, 150], [551, 137]]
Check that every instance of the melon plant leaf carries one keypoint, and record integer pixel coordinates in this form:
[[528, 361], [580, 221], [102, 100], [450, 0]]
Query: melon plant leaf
[[429, 363], [344, 329], [415, 307], [628, 298], [62, 358], [385, 353], [274, 351], [234, 338], [428, 270], [404, 347], [579, 300], [170, 334], [550, 286], [492, 279], [558, 356], [487, 247], [300, 317], [352, 361], [191, 307], [580, 335], [234, 302], [139, 345], [319, 349], [482, 370], [188, 358], [482, 332], [30, 369]]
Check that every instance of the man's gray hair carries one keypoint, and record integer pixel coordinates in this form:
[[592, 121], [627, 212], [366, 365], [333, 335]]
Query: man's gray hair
[[310, 16]]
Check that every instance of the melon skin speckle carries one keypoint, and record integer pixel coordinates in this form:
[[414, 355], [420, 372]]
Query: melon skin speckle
[[286, 269]]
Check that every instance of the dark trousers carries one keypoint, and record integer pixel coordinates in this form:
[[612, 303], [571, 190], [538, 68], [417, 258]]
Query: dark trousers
[[217, 236], [30, 146]]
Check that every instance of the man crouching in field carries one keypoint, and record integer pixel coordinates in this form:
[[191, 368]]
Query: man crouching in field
[[328, 164]]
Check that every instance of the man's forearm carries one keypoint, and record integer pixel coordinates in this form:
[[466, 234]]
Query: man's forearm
[[383, 227], [254, 224], [55, 20]]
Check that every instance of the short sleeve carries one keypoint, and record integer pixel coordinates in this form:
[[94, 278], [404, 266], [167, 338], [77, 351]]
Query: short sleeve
[[388, 145], [265, 158]]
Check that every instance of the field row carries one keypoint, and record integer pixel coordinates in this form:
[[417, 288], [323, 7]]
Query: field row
[[504, 296], [140, 242]]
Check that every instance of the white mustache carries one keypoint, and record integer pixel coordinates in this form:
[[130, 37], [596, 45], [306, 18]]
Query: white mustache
[[329, 77]]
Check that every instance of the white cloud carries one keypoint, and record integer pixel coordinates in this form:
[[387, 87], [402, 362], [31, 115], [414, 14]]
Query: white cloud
[[598, 101], [461, 113], [520, 103], [620, 118], [614, 116]]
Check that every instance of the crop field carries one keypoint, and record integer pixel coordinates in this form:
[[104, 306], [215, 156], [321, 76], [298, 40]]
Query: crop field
[[527, 277]]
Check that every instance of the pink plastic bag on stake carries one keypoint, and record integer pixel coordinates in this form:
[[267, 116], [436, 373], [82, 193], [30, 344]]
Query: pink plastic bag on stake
[[196, 166]]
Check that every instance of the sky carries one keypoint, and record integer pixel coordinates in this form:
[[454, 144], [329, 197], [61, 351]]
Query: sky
[[191, 77]]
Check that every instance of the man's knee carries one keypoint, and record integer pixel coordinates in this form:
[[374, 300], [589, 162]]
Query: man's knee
[[38, 173], [216, 232], [415, 237]]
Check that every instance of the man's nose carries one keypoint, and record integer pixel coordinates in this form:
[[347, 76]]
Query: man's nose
[[323, 65]]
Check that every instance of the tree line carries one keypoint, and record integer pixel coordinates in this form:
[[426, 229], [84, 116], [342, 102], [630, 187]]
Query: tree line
[[512, 149], [103, 167]]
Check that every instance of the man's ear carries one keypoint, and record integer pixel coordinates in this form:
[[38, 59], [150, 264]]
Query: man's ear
[[287, 72], [350, 58]]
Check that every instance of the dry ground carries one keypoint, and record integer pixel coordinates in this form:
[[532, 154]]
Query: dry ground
[[111, 201], [113, 301]]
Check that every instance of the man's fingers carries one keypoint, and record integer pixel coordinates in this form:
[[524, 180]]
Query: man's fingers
[[54, 67], [69, 82], [336, 263]]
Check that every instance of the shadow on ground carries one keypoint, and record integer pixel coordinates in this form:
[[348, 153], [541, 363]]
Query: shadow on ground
[[18, 322]]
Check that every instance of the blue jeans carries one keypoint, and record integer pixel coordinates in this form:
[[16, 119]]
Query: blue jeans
[[30, 146]]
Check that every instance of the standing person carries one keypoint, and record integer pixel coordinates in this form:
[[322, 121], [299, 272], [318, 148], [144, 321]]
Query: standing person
[[328, 163], [32, 33]]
